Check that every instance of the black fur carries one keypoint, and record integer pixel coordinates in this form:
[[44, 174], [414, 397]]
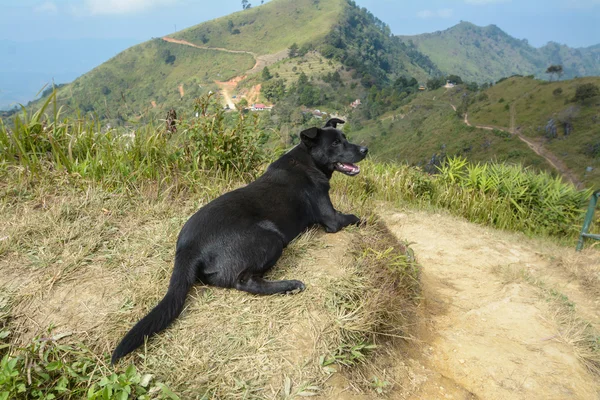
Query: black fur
[[235, 239]]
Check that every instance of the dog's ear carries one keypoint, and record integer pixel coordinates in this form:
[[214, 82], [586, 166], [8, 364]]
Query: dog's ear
[[309, 135], [333, 122]]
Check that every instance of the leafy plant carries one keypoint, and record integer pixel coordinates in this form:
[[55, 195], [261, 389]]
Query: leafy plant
[[46, 369]]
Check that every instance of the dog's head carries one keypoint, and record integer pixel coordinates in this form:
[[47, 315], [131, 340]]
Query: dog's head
[[330, 149]]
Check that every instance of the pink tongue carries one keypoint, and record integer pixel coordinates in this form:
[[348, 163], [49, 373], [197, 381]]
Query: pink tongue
[[349, 167]]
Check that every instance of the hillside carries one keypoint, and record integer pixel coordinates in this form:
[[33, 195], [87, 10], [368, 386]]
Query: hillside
[[544, 113], [508, 122], [427, 129], [145, 80], [486, 54], [149, 77]]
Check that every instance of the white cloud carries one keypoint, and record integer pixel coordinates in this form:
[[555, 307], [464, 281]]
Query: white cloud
[[103, 7], [46, 8], [484, 2], [441, 13]]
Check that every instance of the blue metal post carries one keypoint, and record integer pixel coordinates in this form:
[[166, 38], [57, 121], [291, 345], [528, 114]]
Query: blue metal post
[[589, 216]]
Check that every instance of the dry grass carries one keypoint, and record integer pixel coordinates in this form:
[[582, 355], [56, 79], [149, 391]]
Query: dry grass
[[583, 266], [573, 330], [89, 263]]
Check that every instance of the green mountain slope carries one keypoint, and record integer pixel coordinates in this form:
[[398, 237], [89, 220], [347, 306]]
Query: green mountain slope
[[545, 113], [427, 129], [486, 54], [150, 77], [540, 113], [144, 81]]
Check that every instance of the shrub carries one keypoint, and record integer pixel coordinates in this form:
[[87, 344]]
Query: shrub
[[586, 91]]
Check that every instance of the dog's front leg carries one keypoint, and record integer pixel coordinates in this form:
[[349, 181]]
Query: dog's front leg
[[334, 220]]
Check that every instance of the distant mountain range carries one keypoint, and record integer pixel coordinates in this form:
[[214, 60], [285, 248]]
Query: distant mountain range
[[486, 54]]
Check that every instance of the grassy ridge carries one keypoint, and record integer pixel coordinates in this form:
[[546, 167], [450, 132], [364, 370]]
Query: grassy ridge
[[268, 28], [86, 210]]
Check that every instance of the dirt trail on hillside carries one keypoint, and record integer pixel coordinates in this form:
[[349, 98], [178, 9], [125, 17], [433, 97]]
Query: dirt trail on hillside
[[227, 88], [534, 145], [481, 335], [261, 61]]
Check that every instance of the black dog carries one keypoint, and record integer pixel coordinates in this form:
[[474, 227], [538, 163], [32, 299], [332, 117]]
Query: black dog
[[235, 239]]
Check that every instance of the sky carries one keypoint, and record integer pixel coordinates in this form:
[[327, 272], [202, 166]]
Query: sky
[[572, 22], [62, 39]]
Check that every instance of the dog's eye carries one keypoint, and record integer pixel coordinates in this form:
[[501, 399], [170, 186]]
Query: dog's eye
[[335, 142]]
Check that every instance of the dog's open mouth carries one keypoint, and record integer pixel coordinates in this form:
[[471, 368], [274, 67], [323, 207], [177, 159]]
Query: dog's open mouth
[[347, 168]]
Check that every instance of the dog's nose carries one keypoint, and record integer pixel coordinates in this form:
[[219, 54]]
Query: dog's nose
[[364, 150]]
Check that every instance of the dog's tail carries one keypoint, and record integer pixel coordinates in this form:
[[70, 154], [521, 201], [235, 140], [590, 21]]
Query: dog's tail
[[162, 315]]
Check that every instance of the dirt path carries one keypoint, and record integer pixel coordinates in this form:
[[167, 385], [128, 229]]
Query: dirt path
[[261, 61], [537, 147], [483, 336]]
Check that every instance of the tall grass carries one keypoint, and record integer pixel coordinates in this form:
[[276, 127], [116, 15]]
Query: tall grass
[[117, 157], [229, 146], [504, 196]]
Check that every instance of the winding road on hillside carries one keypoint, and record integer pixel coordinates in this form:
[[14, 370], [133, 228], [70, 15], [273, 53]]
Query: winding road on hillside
[[537, 147]]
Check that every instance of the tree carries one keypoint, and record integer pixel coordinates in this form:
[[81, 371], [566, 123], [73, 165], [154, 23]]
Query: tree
[[455, 79], [168, 57], [246, 4], [241, 105], [586, 91], [302, 79], [555, 70], [293, 50], [274, 89], [266, 74]]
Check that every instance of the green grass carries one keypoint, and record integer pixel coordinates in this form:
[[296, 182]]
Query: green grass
[[120, 157], [503, 196], [269, 28]]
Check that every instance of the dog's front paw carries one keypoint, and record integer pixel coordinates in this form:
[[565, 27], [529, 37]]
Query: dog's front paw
[[352, 219], [295, 287]]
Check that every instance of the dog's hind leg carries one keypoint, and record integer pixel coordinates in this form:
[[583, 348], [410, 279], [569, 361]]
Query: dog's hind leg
[[266, 250], [259, 285]]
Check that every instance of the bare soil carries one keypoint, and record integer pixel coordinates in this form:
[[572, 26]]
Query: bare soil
[[481, 335]]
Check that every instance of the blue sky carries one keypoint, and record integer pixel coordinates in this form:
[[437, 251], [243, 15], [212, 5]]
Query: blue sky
[[573, 22], [41, 40]]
